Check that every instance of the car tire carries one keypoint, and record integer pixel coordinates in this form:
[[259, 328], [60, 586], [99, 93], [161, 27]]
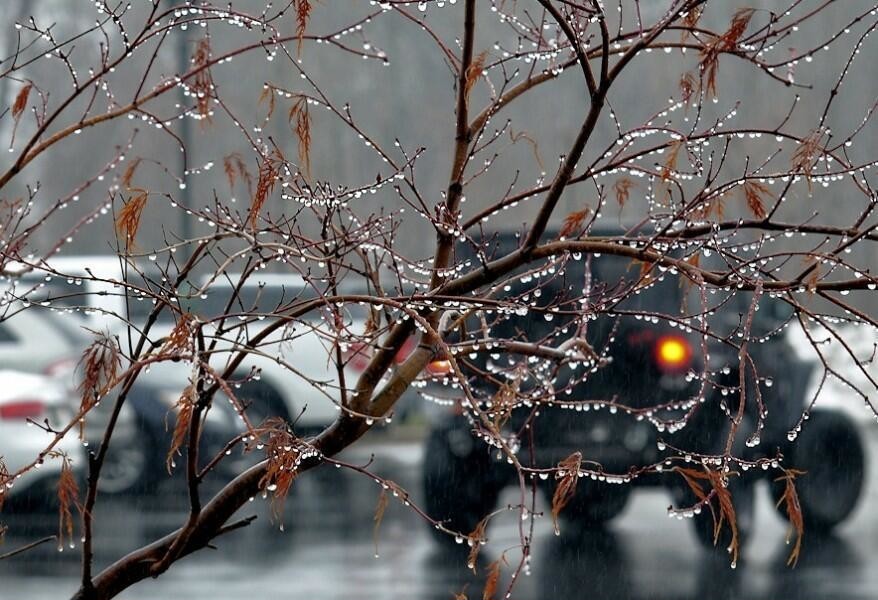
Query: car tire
[[460, 482], [830, 451], [132, 465], [594, 504]]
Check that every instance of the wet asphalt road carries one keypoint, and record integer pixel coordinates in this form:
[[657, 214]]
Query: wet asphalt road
[[327, 551]]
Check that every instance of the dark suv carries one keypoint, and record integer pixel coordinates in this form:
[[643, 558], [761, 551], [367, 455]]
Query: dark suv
[[654, 367]]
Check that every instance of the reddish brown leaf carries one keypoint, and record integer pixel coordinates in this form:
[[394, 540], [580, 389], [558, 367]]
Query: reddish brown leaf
[[184, 408], [728, 41], [671, 162], [128, 219], [378, 517], [68, 498], [477, 538], [300, 122], [129, 173], [474, 71], [303, 15], [493, 579], [622, 187], [284, 452], [202, 85], [754, 194], [180, 336], [268, 95], [790, 500], [724, 511], [565, 488], [573, 222], [100, 364], [20, 102], [268, 172], [688, 85], [808, 149]]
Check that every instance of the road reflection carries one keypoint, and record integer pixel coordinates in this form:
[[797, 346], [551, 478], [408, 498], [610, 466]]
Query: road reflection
[[327, 551]]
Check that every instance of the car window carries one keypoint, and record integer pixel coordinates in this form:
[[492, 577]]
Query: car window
[[6, 335]]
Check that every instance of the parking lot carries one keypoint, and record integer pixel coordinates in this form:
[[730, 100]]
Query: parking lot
[[328, 536]]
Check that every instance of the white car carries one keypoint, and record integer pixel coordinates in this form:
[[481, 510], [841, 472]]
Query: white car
[[23, 397], [276, 390]]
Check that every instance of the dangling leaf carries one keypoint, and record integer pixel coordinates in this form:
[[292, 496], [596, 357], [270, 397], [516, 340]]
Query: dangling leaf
[[754, 194], [184, 408], [474, 71], [68, 497], [790, 500], [300, 121], [128, 219], [565, 488], [574, 222], [622, 187]]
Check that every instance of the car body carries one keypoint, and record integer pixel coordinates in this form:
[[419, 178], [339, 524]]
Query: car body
[[84, 294], [619, 411], [28, 397]]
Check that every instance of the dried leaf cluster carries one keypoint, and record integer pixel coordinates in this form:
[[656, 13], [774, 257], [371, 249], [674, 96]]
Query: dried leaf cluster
[[567, 477]]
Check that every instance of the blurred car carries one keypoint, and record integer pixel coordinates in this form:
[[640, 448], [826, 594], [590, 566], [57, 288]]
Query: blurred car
[[41, 340], [269, 388], [24, 397], [652, 369], [305, 396]]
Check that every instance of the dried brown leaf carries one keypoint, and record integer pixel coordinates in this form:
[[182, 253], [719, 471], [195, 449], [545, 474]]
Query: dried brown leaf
[[202, 86], [522, 135], [727, 42], [284, 451], [100, 364], [300, 122], [670, 165], [690, 21], [808, 149], [268, 172], [68, 498], [622, 188], [474, 71], [128, 219], [724, 511], [378, 517], [688, 85], [493, 579], [303, 15], [574, 222], [504, 400], [180, 336], [268, 95], [567, 477], [755, 194], [184, 408], [20, 102], [129, 173], [790, 500], [477, 537], [18, 106]]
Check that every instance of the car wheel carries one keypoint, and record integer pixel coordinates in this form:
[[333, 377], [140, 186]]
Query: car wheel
[[594, 504], [131, 464], [830, 452], [459, 480]]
